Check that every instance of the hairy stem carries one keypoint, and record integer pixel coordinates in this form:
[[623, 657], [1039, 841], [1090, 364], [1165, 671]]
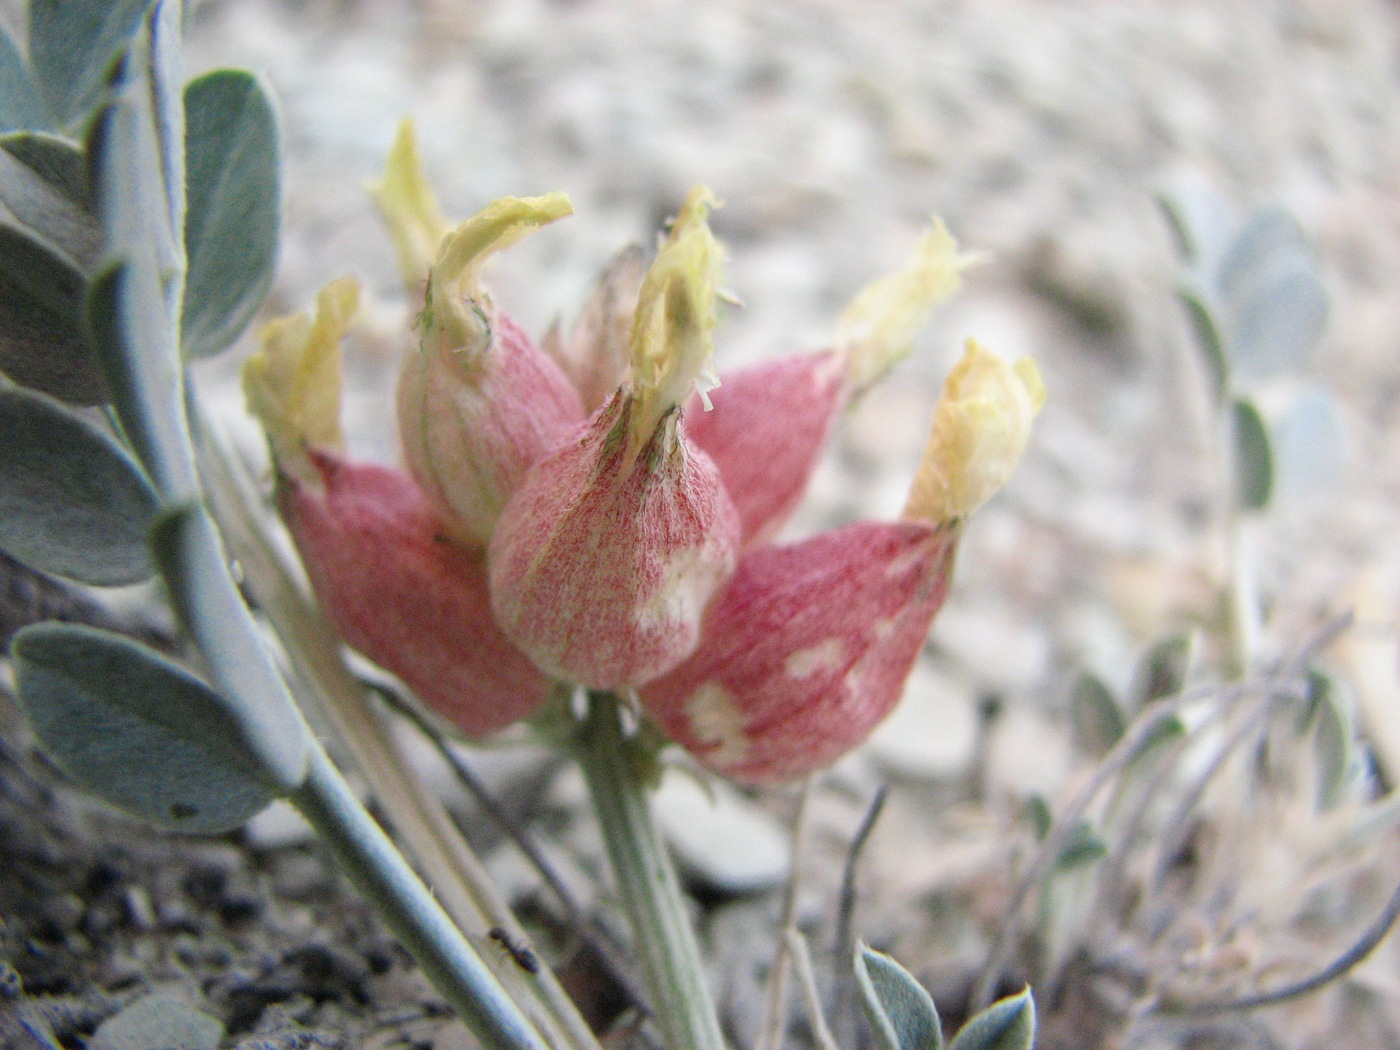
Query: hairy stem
[[615, 768], [379, 871]]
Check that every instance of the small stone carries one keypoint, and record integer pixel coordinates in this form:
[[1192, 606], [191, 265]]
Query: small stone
[[277, 827], [932, 733], [720, 838]]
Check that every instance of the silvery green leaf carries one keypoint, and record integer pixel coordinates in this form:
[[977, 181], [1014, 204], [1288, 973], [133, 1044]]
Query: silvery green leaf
[[43, 183], [20, 105], [71, 47], [901, 1014], [1206, 328], [42, 340], [1081, 847], [1199, 219], [1273, 322], [1310, 447], [1254, 460], [1163, 670], [1270, 234], [1039, 813], [1334, 738], [137, 730], [190, 555], [72, 502], [1008, 1024], [1095, 717], [232, 220], [37, 266], [158, 1022]]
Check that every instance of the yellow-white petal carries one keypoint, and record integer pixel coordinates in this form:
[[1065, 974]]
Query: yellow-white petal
[[292, 384], [877, 329], [673, 328], [452, 315], [981, 426], [410, 208]]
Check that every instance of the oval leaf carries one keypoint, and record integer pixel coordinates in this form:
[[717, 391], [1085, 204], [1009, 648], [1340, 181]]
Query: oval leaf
[[1008, 1024], [1095, 716], [1334, 738], [71, 501], [45, 349], [20, 105], [72, 44], [1269, 235], [1208, 339], [1310, 446], [1275, 322], [135, 729], [1081, 847], [901, 1014], [1199, 218], [1254, 459], [43, 182], [1163, 670], [231, 222]]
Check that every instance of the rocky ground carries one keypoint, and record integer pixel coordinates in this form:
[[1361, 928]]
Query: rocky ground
[[1041, 132]]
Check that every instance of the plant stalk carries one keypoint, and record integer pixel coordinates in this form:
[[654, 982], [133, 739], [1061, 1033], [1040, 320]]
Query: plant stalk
[[414, 916], [615, 768]]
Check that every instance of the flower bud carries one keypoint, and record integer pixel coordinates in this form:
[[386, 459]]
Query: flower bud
[[293, 382], [603, 562], [478, 401], [403, 594], [806, 649], [604, 559], [390, 581]]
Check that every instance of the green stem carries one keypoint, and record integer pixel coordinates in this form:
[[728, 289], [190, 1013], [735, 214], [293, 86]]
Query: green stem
[[615, 768], [410, 910]]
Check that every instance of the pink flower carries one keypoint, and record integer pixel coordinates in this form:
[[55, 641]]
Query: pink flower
[[629, 550]]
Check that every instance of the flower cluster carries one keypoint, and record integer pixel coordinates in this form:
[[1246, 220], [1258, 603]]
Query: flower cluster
[[599, 510]]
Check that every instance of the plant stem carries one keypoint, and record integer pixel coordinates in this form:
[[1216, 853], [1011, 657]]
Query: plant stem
[[410, 910], [615, 768]]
